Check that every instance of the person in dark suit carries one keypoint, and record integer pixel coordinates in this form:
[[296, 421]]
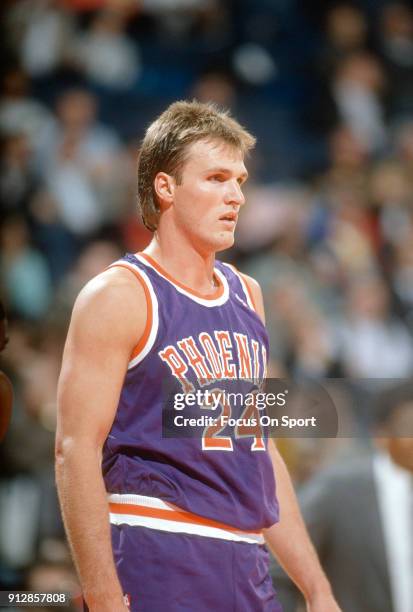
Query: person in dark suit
[[360, 518]]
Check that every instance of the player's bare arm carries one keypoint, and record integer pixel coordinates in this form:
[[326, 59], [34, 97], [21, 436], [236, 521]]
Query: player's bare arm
[[290, 543], [288, 539], [108, 320]]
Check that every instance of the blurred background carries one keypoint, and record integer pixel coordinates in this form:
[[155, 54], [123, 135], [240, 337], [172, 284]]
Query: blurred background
[[326, 87]]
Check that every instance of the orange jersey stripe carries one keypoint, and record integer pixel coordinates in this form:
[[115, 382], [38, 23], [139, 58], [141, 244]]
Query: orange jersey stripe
[[180, 516], [217, 294], [149, 317]]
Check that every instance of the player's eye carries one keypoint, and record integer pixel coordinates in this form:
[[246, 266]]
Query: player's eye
[[220, 178]]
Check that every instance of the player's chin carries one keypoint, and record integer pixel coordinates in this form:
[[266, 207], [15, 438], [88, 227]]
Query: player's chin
[[224, 240]]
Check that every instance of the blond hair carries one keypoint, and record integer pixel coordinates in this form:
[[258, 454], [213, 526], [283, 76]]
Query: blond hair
[[166, 142]]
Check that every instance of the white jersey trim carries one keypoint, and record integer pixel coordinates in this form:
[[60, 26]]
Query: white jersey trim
[[243, 285], [210, 303], [173, 526], [155, 314]]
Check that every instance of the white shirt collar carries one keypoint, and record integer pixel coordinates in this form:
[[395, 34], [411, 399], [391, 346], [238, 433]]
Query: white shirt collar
[[395, 499]]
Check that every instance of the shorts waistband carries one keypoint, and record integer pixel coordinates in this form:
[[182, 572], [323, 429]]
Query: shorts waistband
[[154, 513]]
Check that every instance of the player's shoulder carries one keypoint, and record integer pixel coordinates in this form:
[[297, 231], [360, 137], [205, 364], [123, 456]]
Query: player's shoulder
[[252, 283], [114, 295], [256, 295], [115, 284]]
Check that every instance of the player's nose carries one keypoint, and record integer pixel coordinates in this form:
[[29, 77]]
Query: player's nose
[[234, 194]]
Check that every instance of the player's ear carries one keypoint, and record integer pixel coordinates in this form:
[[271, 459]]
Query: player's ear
[[164, 185]]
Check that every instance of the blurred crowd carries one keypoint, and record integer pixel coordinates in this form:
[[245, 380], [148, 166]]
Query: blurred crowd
[[327, 88]]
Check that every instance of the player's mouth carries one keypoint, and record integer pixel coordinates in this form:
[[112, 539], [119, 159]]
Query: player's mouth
[[230, 218]]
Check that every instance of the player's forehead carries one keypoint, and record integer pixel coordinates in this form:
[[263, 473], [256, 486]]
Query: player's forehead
[[210, 154]]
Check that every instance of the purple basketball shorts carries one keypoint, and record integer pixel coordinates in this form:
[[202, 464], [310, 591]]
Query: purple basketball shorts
[[175, 572]]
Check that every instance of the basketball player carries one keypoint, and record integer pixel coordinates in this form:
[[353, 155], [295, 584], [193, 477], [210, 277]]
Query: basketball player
[[161, 523]]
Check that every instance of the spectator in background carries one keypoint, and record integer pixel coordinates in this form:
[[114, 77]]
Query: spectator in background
[[79, 162], [304, 336], [390, 187], [178, 17], [96, 144], [29, 514], [343, 223], [404, 142], [402, 274], [359, 517], [215, 86], [40, 32], [17, 178], [348, 156], [19, 113], [353, 96], [346, 32], [58, 244], [396, 50], [357, 89], [350, 231], [24, 271], [373, 342], [105, 54]]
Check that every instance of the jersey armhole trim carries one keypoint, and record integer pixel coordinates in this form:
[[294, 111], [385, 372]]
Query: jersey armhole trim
[[146, 341], [245, 287], [248, 291]]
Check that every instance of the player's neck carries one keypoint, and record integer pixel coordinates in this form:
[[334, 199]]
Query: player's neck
[[185, 264]]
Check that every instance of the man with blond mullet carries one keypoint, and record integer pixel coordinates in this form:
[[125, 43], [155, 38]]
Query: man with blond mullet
[[161, 523]]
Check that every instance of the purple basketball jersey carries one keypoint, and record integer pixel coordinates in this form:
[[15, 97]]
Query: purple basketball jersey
[[192, 341]]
